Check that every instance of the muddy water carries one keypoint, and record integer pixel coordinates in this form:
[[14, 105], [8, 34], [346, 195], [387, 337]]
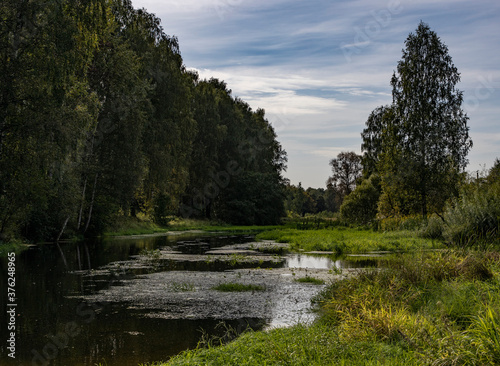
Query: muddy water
[[104, 302]]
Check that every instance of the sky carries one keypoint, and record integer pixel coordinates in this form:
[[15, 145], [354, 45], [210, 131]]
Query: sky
[[318, 68]]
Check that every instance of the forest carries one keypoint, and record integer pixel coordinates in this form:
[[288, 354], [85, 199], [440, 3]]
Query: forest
[[102, 122], [101, 118]]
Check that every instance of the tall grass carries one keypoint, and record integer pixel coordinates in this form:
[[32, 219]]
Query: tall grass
[[315, 345], [474, 217], [441, 307]]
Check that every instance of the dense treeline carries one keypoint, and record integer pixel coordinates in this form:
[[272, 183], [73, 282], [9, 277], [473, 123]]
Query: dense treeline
[[99, 117], [300, 201]]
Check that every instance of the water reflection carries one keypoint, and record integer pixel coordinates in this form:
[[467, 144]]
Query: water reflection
[[55, 327], [328, 262]]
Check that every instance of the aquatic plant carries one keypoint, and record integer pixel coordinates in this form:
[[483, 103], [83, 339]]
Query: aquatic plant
[[238, 287], [309, 279]]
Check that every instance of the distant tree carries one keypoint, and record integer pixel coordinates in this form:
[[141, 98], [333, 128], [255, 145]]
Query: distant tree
[[332, 198], [346, 169], [360, 206], [317, 195], [494, 173], [421, 146]]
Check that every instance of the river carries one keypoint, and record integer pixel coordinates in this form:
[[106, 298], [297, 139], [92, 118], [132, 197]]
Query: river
[[126, 301]]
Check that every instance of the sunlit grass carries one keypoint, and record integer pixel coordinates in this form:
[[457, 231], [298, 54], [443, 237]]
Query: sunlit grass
[[347, 240], [423, 309], [315, 345], [439, 306]]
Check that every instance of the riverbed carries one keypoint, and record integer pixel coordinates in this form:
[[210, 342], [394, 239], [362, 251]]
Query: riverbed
[[126, 301]]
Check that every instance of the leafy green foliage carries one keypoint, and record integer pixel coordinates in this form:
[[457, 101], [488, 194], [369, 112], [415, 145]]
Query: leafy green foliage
[[99, 119], [360, 206], [346, 169], [420, 143]]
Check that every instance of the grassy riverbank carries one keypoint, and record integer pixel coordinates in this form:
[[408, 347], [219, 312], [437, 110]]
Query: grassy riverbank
[[439, 308], [135, 226], [6, 248], [349, 240]]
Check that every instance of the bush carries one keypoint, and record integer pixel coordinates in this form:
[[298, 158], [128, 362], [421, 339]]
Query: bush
[[397, 223], [474, 217], [433, 229], [360, 207]]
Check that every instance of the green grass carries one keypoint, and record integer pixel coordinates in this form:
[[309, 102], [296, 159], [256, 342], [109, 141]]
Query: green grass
[[315, 345], [347, 240], [444, 307], [439, 308], [137, 226], [6, 248], [309, 279], [273, 250], [237, 287]]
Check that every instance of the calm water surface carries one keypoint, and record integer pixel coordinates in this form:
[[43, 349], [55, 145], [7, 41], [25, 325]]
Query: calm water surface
[[54, 326]]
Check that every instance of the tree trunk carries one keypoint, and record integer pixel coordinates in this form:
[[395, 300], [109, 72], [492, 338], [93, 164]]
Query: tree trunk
[[81, 206], [62, 255], [62, 229], [424, 205], [91, 204]]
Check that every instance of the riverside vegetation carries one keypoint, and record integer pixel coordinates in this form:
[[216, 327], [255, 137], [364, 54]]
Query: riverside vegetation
[[426, 309], [438, 307], [434, 301], [134, 134]]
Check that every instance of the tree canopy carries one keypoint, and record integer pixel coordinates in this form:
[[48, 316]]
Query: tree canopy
[[419, 144], [99, 117], [346, 169]]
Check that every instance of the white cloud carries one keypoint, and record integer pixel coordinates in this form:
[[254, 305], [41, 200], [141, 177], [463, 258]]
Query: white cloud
[[286, 56]]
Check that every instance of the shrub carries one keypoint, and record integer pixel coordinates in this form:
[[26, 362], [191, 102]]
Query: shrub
[[309, 279], [474, 217], [433, 229], [360, 207]]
